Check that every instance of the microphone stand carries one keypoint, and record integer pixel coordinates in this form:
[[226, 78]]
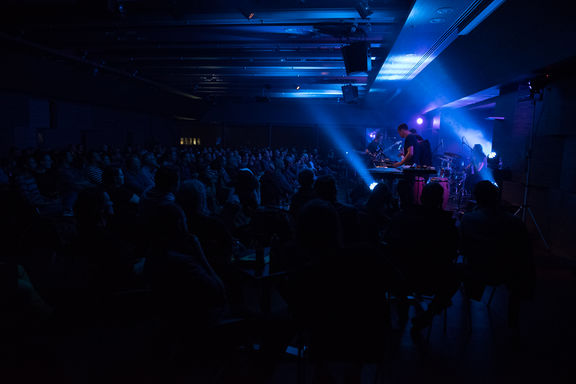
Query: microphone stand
[[463, 191], [465, 143]]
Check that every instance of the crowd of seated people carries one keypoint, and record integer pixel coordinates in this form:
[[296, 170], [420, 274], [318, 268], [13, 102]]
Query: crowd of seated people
[[80, 226]]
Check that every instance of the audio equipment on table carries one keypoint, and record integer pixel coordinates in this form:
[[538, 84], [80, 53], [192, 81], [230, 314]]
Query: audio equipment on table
[[420, 170], [385, 173], [386, 163]]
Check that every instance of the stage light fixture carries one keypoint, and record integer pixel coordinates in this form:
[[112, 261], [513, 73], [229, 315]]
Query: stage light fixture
[[437, 20], [363, 9], [494, 161], [372, 186], [350, 93], [419, 121], [537, 84], [247, 14], [445, 11]]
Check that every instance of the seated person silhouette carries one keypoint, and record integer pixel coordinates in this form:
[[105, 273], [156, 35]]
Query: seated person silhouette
[[325, 189], [424, 241], [334, 294], [188, 290], [497, 247], [305, 193]]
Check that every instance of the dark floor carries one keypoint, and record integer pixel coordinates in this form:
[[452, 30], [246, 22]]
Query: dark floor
[[542, 349]]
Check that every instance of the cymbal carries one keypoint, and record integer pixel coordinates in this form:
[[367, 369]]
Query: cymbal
[[450, 154]]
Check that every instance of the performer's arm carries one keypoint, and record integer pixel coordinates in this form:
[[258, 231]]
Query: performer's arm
[[406, 158], [482, 163]]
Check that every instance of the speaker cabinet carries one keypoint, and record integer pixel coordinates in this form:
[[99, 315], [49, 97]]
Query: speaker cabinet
[[357, 57]]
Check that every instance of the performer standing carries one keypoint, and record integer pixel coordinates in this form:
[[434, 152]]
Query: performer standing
[[479, 159], [477, 168], [373, 149], [410, 153], [416, 151], [374, 146]]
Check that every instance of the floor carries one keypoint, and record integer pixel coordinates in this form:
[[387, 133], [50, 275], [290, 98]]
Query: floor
[[542, 350]]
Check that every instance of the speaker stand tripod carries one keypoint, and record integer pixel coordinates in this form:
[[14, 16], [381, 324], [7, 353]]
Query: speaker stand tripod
[[525, 209]]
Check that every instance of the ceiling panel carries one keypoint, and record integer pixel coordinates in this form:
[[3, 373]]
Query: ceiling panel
[[215, 48]]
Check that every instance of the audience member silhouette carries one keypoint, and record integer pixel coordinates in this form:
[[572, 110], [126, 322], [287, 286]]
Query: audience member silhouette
[[167, 183], [184, 235], [424, 244], [335, 295], [123, 198], [188, 291], [71, 182], [46, 175], [100, 261], [305, 192], [149, 167], [136, 180], [94, 169], [215, 238], [497, 248], [377, 213], [325, 189]]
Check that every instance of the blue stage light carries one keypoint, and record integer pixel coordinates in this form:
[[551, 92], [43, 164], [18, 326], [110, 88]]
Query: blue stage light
[[330, 126], [373, 185], [492, 155], [419, 121]]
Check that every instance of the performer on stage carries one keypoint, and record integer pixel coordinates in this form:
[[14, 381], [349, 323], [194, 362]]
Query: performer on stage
[[479, 159], [373, 149], [374, 145], [416, 151], [476, 170], [410, 153]]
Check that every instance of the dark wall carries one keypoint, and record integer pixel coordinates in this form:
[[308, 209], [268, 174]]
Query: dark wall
[[34, 72], [306, 136], [301, 123], [28, 121], [552, 178], [55, 100], [296, 112]]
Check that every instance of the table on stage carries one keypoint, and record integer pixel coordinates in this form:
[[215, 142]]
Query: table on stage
[[385, 172], [390, 175]]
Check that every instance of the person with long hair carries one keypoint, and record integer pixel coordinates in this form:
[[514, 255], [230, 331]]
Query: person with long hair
[[478, 167]]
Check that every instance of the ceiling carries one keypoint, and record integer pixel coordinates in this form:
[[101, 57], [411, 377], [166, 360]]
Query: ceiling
[[244, 49]]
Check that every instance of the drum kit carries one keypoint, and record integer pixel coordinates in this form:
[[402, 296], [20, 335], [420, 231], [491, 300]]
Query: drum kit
[[452, 177]]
